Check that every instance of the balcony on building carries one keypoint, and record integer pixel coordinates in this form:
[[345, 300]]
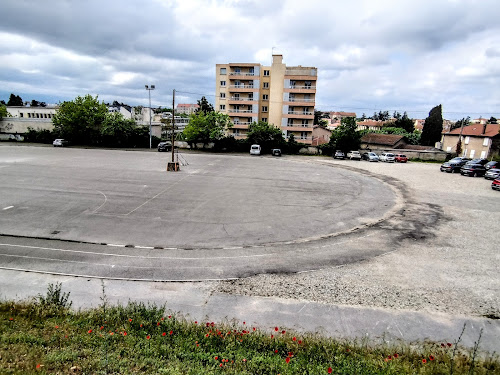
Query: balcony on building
[[300, 100], [247, 99], [300, 113], [293, 125]]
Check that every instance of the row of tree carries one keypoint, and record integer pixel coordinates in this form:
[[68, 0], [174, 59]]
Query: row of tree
[[17, 101]]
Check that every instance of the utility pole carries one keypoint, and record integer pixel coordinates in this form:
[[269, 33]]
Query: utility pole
[[150, 127], [173, 124]]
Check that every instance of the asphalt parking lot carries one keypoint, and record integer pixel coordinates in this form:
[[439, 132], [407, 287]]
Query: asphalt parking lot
[[393, 239]]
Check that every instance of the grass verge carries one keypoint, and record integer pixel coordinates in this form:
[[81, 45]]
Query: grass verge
[[44, 336]]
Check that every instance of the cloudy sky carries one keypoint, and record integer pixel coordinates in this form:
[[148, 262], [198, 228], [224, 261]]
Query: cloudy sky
[[371, 55]]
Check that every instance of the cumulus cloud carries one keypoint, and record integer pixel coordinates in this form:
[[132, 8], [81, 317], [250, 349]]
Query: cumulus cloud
[[371, 55]]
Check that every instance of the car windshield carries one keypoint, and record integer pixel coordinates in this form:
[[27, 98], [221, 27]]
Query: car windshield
[[402, 156], [389, 154]]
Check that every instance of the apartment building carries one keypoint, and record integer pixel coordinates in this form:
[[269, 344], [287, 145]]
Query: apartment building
[[280, 95]]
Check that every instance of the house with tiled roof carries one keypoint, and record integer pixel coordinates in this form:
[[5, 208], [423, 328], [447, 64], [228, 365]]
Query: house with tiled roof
[[478, 140], [370, 125], [381, 141]]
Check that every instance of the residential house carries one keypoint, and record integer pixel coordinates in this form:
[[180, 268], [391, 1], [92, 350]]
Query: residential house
[[479, 140], [370, 125], [186, 109], [320, 135], [376, 142]]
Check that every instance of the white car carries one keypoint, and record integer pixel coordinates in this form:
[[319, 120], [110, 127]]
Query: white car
[[255, 150], [388, 157], [353, 155], [60, 142]]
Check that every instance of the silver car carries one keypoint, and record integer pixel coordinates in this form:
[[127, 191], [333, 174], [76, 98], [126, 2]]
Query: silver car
[[387, 157], [370, 156], [492, 174]]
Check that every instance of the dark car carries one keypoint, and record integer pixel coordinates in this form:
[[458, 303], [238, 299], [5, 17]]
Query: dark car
[[370, 156], [495, 185], [452, 166], [339, 155], [492, 164], [400, 158], [492, 174], [276, 152], [164, 146], [478, 161], [473, 170]]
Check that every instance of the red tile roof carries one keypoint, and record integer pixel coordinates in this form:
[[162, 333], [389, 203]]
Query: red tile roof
[[370, 123], [477, 130], [381, 139]]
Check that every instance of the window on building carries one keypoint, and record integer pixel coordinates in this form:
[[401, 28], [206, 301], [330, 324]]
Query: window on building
[[467, 140], [251, 71], [290, 122], [237, 70], [265, 85], [472, 153], [21, 114], [266, 72], [307, 84], [448, 149], [483, 154], [250, 96], [486, 141], [222, 71], [305, 122], [223, 83], [265, 97], [237, 83], [222, 107], [292, 83], [264, 108], [222, 95], [303, 135], [264, 119]]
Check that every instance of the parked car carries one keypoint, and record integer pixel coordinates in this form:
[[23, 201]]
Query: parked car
[[370, 156], [59, 142], [255, 150], [478, 161], [492, 164], [400, 158], [454, 165], [353, 155], [492, 174], [339, 155], [495, 185], [387, 157], [164, 146], [473, 170], [276, 152]]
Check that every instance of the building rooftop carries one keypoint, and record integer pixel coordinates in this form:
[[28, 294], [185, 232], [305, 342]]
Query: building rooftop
[[477, 130]]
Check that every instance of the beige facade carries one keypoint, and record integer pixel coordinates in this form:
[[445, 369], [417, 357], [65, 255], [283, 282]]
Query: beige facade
[[478, 141], [280, 95]]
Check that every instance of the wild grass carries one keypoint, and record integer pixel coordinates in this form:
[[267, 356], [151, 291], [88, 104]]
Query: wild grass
[[145, 339]]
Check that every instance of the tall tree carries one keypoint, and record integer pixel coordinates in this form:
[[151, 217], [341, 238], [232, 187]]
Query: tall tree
[[345, 137], [15, 100], [266, 135], [492, 120], [404, 122], [80, 120], [35, 103], [205, 127], [204, 106], [433, 127], [462, 122]]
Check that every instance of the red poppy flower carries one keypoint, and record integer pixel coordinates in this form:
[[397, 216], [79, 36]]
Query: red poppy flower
[[294, 339], [221, 365], [90, 331], [276, 350], [195, 322], [389, 357], [287, 360], [276, 329], [300, 342], [330, 370], [443, 345], [111, 333], [424, 360], [57, 327], [171, 332], [449, 344], [272, 336], [283, 332], [11, 319], [158, 323], [244, 323], [124, 333], [102, 327], [38, 366], [164, 333], [431, 357], [140, 326], [216, 358], [254, 329], [130, 320], [396, 355], [244, 359], [162, 319], [148, 337]]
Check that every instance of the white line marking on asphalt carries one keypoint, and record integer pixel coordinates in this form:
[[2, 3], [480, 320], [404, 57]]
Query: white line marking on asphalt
[[110, 244], [145, 247], [105, 201], [133, 256], [8, 208]]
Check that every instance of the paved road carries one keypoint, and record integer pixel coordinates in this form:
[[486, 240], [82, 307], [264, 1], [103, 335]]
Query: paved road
[[118, 214]]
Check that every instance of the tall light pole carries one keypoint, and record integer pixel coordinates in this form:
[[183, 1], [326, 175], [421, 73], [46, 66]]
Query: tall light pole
[[150, 128]]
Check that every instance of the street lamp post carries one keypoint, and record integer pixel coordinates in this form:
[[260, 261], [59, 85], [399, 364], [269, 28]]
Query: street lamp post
[[150, 128]]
